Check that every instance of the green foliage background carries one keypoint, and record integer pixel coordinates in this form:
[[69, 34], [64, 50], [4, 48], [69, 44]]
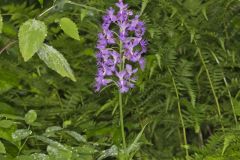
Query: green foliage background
[[190, 84]]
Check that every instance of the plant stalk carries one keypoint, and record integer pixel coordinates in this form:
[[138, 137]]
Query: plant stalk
[[212, 88], [180, 114], [122, 121]]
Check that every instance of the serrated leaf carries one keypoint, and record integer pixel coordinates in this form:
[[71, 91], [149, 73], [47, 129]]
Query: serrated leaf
[[31, 36], [21, 134], [30, 117], [227, 141], [6, 123], [69, 28], [1, 23], [56, 61], [2, 148]]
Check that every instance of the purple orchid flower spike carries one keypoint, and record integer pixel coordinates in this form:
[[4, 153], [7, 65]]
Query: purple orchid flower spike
[[120, 65]]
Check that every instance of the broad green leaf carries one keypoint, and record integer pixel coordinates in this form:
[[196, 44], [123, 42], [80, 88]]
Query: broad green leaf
[[53, 129], [56, 61], [77, 136], [31, 36], [1, 23], [51, 142], [50, 131], [6, 123], [6, 134], [69, 28], [59, 154], [111, 152], [35, 156], [30, 117], [2, 148], [21, 134]]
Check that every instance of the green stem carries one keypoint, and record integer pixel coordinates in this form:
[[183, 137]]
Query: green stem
[[227, 86], [84, 6], [231, 101], [212, 87], [46, 11], [122, 122], [121, 67], [180, 114]]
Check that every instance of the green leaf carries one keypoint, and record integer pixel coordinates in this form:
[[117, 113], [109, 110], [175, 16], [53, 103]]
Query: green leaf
[[35, 156], [51, 142], [67, 123], [111, 152], [31, 36], [2, 148], [59, 154], [56, 61], [6, 134], [1, 23], [135, 144], [50, 131], [69, 28], [204, 12], [21, 134], [77, 136], [144, 5], [53, 129], [10, 116], [6, 123], [41, 2], [30, 117], [227, 141]]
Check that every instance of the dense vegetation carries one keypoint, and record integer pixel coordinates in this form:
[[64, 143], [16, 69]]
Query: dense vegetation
[[186, 103]]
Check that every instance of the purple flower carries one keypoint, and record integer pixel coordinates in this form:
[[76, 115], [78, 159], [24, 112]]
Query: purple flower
[[124, 31]]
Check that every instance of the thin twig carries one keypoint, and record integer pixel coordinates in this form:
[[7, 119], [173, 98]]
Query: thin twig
[[7, 46]]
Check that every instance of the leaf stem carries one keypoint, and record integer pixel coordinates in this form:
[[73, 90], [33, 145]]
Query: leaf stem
[[121, 67], [212, 87], [122, 121], [227, 86], [180, 114], [46, 11]]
